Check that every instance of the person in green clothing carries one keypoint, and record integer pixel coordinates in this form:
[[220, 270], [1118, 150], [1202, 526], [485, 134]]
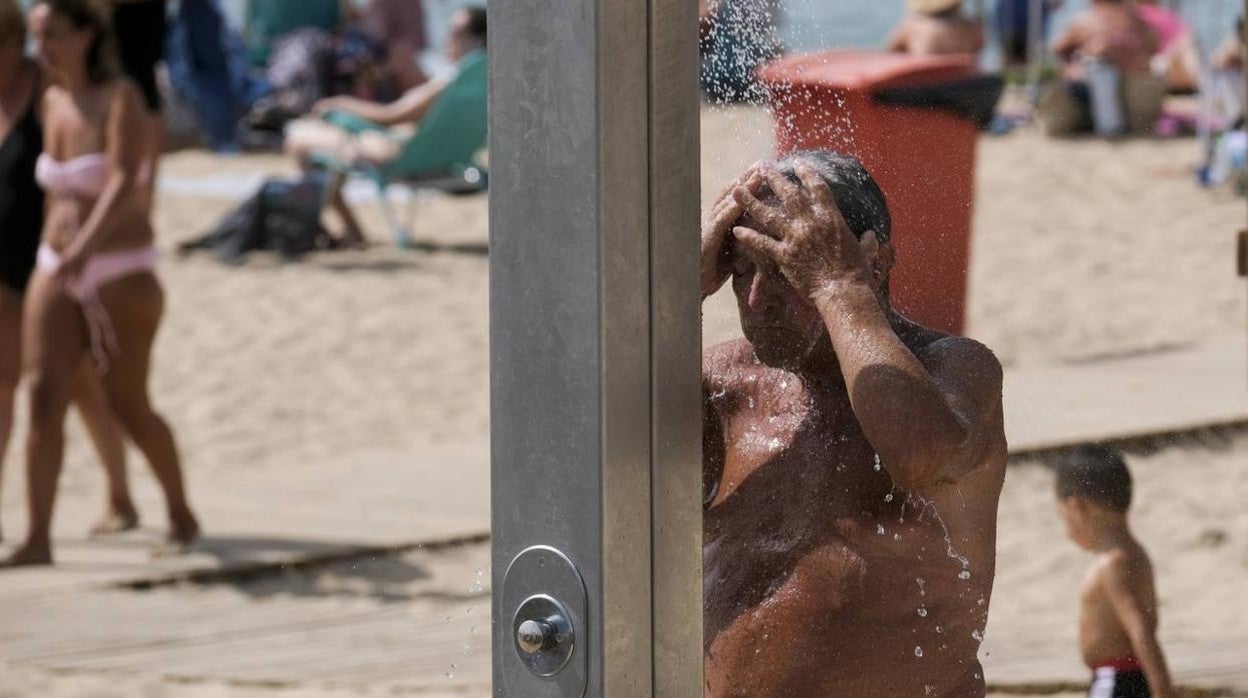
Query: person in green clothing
[[352, 130]]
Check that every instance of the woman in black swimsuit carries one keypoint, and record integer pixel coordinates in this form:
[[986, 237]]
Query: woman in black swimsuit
[[21, 221]]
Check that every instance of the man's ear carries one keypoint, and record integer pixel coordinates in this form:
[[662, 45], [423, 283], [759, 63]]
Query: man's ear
[[880, 257], [882, 263]]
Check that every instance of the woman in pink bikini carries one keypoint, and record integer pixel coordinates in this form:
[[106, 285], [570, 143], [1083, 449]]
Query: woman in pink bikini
[[21, 224], [94, 291]]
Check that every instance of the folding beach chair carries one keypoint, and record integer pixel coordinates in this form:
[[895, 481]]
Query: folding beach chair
[[440, 155]]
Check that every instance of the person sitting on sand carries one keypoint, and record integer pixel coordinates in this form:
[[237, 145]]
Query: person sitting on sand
[[1111, 88], [853, 460], [1177, 61], [385, 126], [94, 292], [1118, 606], [936, 27]]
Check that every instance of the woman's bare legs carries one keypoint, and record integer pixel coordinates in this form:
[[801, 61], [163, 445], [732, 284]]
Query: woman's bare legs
[[10, 365], [135, 304], [106, 434], [53, 344], [88, 396]]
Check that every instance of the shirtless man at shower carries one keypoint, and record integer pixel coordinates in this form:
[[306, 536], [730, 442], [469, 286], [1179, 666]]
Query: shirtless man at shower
[[853, 459]]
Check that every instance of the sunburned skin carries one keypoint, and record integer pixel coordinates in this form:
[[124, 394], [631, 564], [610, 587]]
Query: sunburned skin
[[832, 569]]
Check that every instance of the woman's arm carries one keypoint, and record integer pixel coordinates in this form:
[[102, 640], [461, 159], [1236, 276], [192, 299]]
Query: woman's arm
[[408, 109], [124, 148]]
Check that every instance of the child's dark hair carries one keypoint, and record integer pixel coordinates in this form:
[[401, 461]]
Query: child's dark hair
[[1097, 474]]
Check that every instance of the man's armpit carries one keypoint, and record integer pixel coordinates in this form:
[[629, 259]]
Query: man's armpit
[[969, 378]]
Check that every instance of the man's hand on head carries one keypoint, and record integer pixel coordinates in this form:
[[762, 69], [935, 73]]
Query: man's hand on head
[[805, 236], [717, 222]]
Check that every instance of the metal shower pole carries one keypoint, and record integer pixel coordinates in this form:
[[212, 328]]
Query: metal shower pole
[[595, 348]]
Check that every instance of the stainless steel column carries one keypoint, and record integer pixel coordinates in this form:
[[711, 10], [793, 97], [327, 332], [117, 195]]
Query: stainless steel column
[[595, 342]]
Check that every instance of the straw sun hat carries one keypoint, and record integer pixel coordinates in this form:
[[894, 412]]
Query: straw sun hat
[[930, 7]]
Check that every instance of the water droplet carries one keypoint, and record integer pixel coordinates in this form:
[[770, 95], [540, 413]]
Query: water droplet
[[964, 574], [922, 612], [897, 537], [877, 464], [879, 528], [918, 651], [888, 497], [977, 635]]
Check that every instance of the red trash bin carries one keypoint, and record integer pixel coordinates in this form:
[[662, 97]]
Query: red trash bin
[[923, 159]]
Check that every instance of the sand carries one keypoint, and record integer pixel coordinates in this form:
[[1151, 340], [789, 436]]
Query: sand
[[1081, 250]]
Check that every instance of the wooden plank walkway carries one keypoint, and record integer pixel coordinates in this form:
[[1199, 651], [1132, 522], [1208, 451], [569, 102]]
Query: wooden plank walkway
[[266, 517], [421, 622], [1165, 392], [1214, 664]]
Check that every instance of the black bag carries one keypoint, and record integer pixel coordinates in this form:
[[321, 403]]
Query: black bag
[[283, 217]]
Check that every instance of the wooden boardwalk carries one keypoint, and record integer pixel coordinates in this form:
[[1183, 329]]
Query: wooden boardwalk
[[1165, 392], [418, 621], [1218, 665]]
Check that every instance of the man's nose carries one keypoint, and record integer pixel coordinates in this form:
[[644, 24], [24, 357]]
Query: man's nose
[[760, 296]]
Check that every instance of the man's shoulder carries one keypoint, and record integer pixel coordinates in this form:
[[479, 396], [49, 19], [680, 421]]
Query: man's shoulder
[[736, 352], [728, 364], [936, 350]]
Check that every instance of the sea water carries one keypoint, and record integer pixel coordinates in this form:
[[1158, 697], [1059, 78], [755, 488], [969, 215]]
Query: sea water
[[810, 25]]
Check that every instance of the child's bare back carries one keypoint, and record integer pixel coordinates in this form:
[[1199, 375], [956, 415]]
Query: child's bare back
[[1121, 580], [1118, 604]]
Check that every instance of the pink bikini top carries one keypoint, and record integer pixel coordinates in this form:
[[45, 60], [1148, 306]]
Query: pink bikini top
[[85, 175]]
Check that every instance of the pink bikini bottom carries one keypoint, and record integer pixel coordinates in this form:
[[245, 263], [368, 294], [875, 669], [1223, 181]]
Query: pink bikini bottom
[[99, 270]]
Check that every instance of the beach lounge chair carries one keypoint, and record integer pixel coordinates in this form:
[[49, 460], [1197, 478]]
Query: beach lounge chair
[[268, 20], [440, 155]]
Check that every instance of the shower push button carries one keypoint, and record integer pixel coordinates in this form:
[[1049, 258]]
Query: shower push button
[[544, 635], [543, 596]]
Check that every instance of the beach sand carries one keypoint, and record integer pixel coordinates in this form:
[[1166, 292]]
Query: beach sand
[[1081, 250]]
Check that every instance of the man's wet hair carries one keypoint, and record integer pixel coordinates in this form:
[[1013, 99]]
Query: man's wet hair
[[1097, 474], [476, 23], [857, 194]]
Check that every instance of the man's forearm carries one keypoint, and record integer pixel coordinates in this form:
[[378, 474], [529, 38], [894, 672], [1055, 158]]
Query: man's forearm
[[902, 412]]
